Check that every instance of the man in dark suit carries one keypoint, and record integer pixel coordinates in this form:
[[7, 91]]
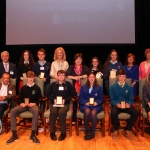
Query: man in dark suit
[[6, 66]]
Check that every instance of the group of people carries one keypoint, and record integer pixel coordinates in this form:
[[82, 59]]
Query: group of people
[[59, 69]]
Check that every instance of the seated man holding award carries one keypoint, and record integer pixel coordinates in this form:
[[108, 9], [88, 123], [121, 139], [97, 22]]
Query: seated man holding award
[[28, 101], [90, 99], [121, 95], [59, 94]]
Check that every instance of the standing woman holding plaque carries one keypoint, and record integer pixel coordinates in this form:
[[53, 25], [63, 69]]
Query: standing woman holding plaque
[[76, 72], [111, 67], [59, 62], [90, 100], [132, 71], [25, 64], [96, 67]]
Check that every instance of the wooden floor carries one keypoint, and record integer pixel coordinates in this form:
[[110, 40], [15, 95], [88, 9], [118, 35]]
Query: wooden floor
[[76, 142]]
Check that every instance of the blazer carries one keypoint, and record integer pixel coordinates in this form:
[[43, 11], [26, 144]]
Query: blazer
[[12, 70], [12, 88]]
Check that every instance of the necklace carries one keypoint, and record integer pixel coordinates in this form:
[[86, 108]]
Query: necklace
[[129, 67]]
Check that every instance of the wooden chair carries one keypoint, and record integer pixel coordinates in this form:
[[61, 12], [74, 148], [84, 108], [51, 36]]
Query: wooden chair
[[11, 104], [100, 116], [143, 113], [68, 117], [27, 114], [122, 116]]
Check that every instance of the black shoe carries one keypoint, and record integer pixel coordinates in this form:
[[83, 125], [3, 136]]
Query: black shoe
[[12, 139], [53, 136], [87, 132], [34, 139], [89, 137], [62, 137]]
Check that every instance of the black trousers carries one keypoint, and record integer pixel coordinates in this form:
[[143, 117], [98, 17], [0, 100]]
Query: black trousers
[[116, 111], [3, 107], [60, 112]]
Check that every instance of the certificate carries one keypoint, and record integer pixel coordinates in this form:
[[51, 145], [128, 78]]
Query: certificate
[[123, 105], [24, 75], [112, 73], [59, 100], [26, 101], [91, 101], [42, 75]]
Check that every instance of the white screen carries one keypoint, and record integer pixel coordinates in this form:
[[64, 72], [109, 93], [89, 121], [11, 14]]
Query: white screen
[[70, 22]]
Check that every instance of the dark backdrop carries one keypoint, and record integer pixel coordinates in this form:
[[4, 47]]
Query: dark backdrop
[[88, 51]]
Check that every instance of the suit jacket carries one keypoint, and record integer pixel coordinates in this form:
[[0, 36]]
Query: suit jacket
[[12, 88], [12, 70]]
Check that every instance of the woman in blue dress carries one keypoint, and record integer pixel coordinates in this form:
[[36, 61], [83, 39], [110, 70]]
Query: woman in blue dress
[[90, 91], [132, 71]]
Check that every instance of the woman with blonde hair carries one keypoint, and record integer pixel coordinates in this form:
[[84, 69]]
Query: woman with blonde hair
[[59, 62], [144, 68], [146, 95]]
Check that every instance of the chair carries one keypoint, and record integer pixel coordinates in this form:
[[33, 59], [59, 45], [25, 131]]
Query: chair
[[28, 114], [121, 116], [69, 113], [143, 113], [11, 104], [100, 116]]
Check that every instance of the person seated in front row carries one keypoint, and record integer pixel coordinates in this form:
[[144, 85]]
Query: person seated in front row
[[60, 92], [90, 100], [7, 91], [28, 101], [121, 95], [146, 95]]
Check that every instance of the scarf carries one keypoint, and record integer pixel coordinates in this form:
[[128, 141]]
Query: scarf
[[77, 82]]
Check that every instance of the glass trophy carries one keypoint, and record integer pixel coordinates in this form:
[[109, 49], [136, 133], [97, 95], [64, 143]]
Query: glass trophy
[[24, 75], [123, 105], [91, 101], [26, 101], [59, 100], [42, 75], [112, 74]]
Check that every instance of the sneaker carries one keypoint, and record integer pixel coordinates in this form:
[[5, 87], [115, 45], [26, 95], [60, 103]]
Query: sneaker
[[127, 134], [12, 139], [34, 139], [115, 134]]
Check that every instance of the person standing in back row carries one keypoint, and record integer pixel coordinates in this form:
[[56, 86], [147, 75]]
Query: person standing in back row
[[42, 68]]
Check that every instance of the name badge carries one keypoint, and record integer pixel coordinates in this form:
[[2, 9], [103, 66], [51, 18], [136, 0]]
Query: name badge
[[10, 92], [41, 68], [11, 72], [61, 88]]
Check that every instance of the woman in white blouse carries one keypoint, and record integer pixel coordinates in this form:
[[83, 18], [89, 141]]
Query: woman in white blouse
[[59, 62]]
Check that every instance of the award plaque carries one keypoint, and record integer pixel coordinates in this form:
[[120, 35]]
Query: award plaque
[[26, 101], [41, 75], [123, 105], [112, 73], [59, 100], [91, 101], [24, 75]]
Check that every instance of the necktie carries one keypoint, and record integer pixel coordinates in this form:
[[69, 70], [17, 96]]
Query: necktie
[[6, 67]]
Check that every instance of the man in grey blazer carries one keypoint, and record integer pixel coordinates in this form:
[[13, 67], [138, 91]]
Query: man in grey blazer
[[6, 66]]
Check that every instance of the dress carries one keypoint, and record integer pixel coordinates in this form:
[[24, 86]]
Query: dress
[[133, 73]]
